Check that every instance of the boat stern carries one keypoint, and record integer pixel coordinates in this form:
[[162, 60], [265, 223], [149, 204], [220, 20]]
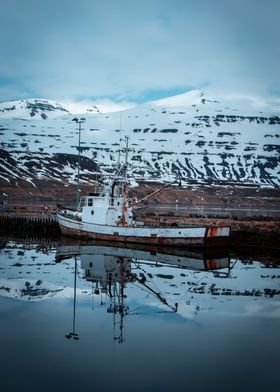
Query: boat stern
[[217, 236]]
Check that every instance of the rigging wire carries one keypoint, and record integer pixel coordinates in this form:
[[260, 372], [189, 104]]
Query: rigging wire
[[153, 281]]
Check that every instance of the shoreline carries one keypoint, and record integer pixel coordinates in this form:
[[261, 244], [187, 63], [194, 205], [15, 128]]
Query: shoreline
[[257, 233]]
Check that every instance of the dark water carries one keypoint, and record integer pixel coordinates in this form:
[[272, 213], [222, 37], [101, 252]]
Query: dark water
[[81, 317]]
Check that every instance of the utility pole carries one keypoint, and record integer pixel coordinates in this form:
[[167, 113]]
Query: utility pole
[[79, 121], [73, 334]]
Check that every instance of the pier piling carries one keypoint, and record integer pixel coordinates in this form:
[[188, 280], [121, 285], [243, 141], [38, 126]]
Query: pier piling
[[21, 225]]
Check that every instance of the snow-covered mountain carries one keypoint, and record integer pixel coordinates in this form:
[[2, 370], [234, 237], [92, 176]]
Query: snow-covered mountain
[[202, 139], [31, 108], [44, 109]]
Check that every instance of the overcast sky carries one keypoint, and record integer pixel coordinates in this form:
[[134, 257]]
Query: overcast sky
[[137, 50]]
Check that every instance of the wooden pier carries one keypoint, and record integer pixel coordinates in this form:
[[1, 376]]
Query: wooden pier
[[31, 225]]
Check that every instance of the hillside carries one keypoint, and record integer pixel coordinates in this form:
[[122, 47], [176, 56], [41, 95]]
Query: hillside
[[203, 140]]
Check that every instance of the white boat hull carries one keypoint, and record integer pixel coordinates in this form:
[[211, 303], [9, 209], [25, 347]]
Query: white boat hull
[[179, 236]]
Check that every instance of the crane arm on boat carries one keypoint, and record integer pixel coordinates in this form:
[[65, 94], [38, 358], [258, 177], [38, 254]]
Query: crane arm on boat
[[158, 295], [157, 191]]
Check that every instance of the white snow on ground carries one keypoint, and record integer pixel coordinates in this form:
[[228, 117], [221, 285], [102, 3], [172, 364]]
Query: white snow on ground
[[186, 99], [199, 137]]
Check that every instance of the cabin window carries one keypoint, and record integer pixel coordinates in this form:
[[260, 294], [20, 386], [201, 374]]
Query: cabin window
[[92, 212], [90, 202], [82, 203]]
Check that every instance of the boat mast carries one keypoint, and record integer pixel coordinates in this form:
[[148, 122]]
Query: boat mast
[[126, 159], [119, 156]]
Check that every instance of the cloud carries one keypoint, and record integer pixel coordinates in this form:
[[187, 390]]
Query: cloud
[[118, 50], [103, 105]]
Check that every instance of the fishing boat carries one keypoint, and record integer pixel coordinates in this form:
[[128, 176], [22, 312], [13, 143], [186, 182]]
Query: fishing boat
[[108, 215]]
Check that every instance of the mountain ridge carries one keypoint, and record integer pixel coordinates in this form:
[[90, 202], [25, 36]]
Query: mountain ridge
[[205, 140]]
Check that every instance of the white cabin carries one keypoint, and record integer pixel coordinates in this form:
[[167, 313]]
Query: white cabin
[[109, 207]]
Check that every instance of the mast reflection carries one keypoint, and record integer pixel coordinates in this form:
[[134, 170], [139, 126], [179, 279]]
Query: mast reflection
[[110, 268], [109, 274]]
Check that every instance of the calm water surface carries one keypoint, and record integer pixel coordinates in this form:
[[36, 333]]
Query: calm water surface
[[77, 316]]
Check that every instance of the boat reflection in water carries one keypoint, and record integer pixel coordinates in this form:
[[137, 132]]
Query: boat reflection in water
[[111, 268], [186, 318]]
